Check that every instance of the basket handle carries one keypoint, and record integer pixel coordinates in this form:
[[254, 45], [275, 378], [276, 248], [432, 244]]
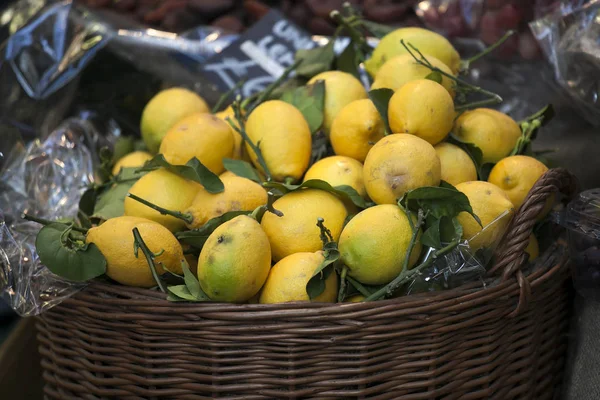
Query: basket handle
[[511, 256]]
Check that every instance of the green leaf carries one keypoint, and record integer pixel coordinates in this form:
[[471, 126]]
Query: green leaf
[[310, 100], [434, 76], [88, 201], [242, 168], [192, 170], [438, 202], [192, 283], [110, 204], [316, 284], [197, 237], [442, 231], [315, 61], [181, 292], [381, 99], [66, 257], [129, 174], [348, 61], [343, 192], [320, 147], [378, 30]]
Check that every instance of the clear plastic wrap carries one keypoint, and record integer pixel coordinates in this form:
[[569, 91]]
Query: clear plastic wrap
[[569, 36]]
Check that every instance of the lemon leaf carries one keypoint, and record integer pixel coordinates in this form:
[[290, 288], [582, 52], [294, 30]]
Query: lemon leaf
[[192, 283], [310, 101], [316, 284], [242, 168], [349, 60], [442, 231], [197, 237], [193, 170], [435, 76], [181, 293], [471, 149], [66, 257], [378, 30], [315, 61], [110, 204], [381, 99], [438, 201], [344, 192]]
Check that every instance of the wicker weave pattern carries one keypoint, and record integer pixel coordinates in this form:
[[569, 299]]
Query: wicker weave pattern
[[116, 342]]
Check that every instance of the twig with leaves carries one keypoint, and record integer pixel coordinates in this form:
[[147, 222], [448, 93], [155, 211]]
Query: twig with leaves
[[138, 243]]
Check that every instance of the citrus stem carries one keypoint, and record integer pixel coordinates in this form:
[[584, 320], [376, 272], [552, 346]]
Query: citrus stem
[[226, 95], [44, 222], [494, 98], [343, 284], [326, 236], [467, 63], [355, 35], [269, 89], [138, 243], [242, 131], [289, 180], [406, 276], [480, 103], [187, 217], [270, 200], [358, 286]]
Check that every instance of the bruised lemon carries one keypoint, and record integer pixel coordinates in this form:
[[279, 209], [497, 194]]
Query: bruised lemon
[[427, 42], [164, 110], [284, 139], [374, 244], [399, 163], [494, 209], [457, 166], [288, 278], [203, 136], [356, 129], [400, 70], [297, 231], [495, 133], [235, 261], [114, 239], [338, 171], [239, 194], [516, 175], [341, 88], [164, 189], [422, 108]]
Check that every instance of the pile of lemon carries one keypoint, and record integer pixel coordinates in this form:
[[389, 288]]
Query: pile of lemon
[[271, 259]]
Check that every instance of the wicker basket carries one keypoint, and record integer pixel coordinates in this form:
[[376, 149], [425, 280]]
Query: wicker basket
[[506, 341]]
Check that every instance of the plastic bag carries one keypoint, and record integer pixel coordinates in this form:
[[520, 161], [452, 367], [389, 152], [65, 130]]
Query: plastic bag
[[72, 82], [570, 39]]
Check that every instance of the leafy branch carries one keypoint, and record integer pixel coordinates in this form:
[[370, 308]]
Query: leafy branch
[[316, 284], [138, 243], [466, 64], [461, 85]]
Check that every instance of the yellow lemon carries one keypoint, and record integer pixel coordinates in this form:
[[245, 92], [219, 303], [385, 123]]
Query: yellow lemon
[[495, 133], [402, 69], [533, 248], [494, 209], [427, 42], [239, 150], [338, 171], [516, 175], [373, 245], [165, 189], [235, 261], [457, 166], [164, 110], [135, 159], [288, 278], [240, 194], [203, 136], [297, 230], [399, 163], [284, 139], [357, 298], [341, 88], [422, 108], [114, 239], [356, 128]]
